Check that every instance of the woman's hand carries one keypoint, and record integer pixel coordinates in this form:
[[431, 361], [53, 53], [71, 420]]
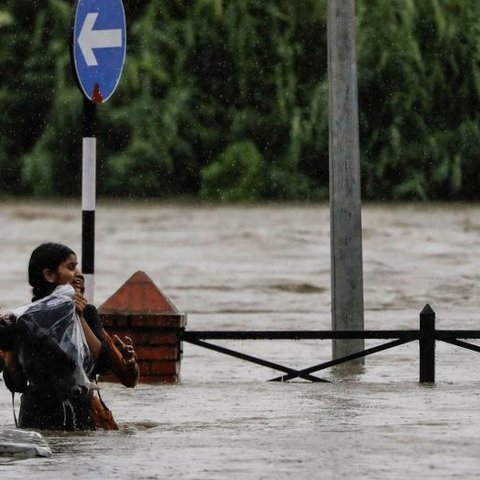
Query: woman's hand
[[124, 359], [80, 302], [126, 349], [5, 317]]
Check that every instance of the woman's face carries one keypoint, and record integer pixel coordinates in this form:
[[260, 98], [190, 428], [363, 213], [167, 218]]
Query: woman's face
[[67, 271]]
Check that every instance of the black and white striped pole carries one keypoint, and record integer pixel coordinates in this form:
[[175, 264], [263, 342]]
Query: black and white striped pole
[[98, 53], [89, 169]]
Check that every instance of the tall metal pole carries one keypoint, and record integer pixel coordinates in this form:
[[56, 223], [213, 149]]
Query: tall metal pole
[[89, 167], [344, 160]]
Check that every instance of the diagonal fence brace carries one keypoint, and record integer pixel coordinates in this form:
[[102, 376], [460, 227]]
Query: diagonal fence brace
[[258, 361], [337, 361], [460, 343]]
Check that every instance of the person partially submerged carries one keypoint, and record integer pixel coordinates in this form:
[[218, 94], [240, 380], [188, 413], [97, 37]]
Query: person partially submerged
[[57, 346]]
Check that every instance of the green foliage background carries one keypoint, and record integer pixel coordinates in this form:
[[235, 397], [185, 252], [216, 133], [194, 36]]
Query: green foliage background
[[227, 99]]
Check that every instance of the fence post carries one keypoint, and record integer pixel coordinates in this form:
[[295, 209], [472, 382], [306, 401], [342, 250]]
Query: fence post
[[427, 345]]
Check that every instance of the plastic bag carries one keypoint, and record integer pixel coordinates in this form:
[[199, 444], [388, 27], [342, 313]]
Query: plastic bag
[[52, 347]]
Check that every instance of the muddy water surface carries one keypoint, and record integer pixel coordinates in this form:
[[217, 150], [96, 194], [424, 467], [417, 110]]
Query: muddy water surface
[[269, 268]]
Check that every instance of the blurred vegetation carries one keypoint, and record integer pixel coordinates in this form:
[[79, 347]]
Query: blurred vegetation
[[228, 99]]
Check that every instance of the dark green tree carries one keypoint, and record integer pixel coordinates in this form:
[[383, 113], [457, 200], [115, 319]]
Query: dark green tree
[[212, 88]]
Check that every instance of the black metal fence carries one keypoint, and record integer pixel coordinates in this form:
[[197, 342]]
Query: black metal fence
[[427, 335]]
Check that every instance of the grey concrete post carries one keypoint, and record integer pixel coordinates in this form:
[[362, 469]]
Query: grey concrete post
[[345, 194]]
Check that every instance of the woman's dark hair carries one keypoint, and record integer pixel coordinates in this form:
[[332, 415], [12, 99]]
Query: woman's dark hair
[[46, 255]]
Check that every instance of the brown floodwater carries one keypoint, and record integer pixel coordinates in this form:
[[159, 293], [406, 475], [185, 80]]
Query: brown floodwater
[[268, 267]]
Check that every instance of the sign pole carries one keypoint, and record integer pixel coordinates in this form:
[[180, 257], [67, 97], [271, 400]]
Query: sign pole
[[98, 52], [345, 194], [89, 162]]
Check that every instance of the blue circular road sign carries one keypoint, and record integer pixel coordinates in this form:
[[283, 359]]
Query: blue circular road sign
[[99, 46]]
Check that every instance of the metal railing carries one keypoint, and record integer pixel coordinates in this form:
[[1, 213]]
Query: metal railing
[[426, 335]]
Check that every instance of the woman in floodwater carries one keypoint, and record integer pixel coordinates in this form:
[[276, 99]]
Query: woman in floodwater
[[34, 364]]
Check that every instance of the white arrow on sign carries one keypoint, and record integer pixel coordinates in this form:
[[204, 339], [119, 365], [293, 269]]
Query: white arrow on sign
[[90, 39]]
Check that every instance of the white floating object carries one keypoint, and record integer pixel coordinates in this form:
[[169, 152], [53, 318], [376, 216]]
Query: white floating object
[[21, 444]]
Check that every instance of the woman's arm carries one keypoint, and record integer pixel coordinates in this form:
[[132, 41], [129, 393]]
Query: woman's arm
[[116, 355], [124, 359], [93, 342]]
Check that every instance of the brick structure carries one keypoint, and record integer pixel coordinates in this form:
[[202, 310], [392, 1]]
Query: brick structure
[[141, 311]]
